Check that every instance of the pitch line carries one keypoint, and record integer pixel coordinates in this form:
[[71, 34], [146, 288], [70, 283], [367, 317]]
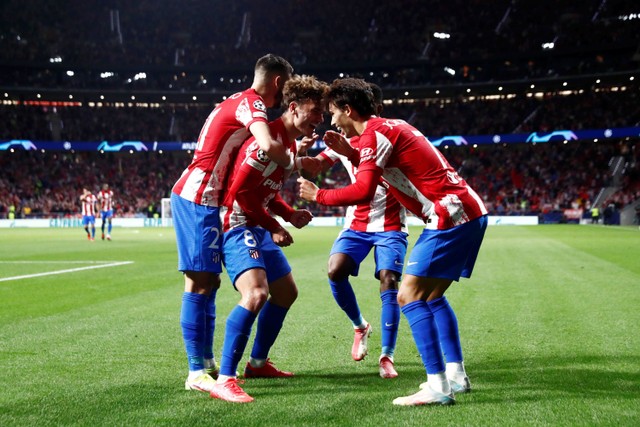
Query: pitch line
[[69, 270]]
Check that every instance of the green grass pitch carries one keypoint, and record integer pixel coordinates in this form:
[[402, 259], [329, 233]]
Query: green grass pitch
[[549, 324]]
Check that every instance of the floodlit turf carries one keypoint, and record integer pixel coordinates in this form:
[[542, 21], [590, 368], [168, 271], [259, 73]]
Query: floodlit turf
[[549, 323]]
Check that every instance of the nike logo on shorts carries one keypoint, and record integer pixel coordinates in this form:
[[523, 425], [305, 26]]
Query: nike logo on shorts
[[412, 263]]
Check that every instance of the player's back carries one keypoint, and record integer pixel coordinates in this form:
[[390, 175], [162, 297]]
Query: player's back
[[413, 166], [224, 131]]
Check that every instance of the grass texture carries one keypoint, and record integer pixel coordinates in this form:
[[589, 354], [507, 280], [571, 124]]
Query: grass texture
[[549, 325]]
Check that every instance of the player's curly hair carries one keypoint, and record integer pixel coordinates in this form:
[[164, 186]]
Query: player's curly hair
[[353, 92], [301, 88]]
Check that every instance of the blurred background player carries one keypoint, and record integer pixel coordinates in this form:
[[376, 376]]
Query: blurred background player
[[105, 198], [252, 256], [89, 211], [196, 198], [454, 215], [380, 225]]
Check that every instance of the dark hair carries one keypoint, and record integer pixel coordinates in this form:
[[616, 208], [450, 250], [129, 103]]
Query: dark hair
[[378, 98], [377, 93], [273, 64], [353, 92]]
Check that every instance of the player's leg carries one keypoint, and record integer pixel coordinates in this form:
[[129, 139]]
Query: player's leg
[[109, 225], [93, 228], [199, 258], [85, 224], [348, 251], [449, 335], [412, 297], [103, 223], [390, 251], [444, 315], [200, 286], [210, 364], [253, 288], [389, 321], [283, 293]]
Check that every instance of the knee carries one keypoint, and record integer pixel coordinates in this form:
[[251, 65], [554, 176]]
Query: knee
[[404, 298], [337, 270], [388, 280], [255, 298], [215, 282], [290, 297]]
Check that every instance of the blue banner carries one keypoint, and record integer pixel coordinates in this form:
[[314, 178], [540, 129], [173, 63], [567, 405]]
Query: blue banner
[[457, 140]]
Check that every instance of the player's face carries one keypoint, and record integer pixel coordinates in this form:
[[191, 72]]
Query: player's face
[[341, 120], [307, 117]]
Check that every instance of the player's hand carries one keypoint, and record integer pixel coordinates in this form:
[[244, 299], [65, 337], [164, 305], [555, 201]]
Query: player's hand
[[300, 218], [311, 165], [282, 238], [338, 143], [308, 190], [307, 142]]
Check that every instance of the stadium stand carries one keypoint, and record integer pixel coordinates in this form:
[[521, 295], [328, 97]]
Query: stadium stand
[[133, 71]]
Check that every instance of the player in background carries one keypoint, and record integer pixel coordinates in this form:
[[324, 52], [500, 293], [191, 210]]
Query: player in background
[[252, 238], [380, 225], [455, 221], [196, 198], [89, 211], [105, 198]]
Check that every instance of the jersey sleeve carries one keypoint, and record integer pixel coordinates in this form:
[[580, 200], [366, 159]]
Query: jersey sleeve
[[250, 110], [361, 191], [279, 207], [251, 201]]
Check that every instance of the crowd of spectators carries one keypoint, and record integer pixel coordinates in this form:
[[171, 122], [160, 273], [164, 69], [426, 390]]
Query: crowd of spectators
[[593, 109], [512, 179], [211, 46], [48, 184], [411, 41]]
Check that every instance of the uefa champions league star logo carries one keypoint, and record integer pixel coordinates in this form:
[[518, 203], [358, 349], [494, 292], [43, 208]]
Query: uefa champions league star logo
[[19, 144], [123, 146], [456, 139], [559, 135]]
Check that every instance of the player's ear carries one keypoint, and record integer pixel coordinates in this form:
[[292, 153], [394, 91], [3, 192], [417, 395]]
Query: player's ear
[[292, 107], [348, 110]]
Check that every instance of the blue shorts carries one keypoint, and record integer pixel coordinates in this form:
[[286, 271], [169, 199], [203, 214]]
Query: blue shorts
[[107, 214], [197, 235], [390, 248], [246, 248], [447, 254], [88, 219]]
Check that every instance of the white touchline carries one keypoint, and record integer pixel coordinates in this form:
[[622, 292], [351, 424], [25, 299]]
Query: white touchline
[[70, 270]]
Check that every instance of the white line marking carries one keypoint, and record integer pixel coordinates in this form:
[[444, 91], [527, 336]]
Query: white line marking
[[56, 262], [70, 270]]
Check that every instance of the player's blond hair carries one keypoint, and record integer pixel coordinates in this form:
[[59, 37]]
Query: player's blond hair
[[302, 88]]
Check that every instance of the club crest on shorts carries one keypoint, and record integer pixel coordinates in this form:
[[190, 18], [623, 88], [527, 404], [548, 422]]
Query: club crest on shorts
[[254, 253]]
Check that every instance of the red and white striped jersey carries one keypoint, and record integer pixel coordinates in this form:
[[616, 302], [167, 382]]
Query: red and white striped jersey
[[88, 203], [106, 200], [382, 213], [256, 181], [418, 174], [224, 131]]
